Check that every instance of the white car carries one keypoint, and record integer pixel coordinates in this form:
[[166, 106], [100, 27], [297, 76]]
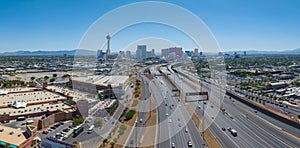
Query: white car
[[167, 114], [190, 143]]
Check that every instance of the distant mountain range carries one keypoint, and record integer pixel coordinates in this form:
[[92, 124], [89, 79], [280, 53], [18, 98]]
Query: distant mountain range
[[256, 52], [81, 52], [84, 52]]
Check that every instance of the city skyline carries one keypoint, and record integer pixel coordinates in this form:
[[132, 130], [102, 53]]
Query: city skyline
[[33, 25]]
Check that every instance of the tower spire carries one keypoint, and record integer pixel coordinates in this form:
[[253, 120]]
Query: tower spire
[[108, 44]]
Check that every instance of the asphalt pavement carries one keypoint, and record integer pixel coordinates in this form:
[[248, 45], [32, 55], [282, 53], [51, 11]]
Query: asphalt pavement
[[252, 131]]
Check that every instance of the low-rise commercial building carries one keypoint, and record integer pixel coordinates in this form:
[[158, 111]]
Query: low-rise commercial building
[[109, 85], [16, 138]]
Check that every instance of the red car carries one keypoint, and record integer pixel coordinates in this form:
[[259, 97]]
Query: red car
[[45, 132]]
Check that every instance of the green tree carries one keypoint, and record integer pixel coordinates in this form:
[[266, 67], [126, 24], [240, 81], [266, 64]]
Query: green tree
[[65, 76], [46, 78], [32, 78], [135, 103], [78, 119], [54, 75], [71, 102], [129, 114], [112, 144], [52, 80]]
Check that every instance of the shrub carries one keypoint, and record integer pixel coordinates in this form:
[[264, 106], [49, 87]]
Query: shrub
[[135, 102], [129, 114]]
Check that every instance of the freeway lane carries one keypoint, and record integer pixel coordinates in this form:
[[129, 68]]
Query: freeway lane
[[245, 139], [241, 109], [163, 134], [184, 118], [217, 88], [144, 108], [252, 130]]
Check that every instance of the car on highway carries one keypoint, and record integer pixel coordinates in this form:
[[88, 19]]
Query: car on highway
[[233, 132], [186, 130], [223, 129], [189, 143], [179, 124], [173, 145], [199, 106], [172, 106], [141, 120]]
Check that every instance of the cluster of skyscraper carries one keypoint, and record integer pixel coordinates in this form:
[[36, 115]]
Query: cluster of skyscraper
[[142, 53], [173, 52]]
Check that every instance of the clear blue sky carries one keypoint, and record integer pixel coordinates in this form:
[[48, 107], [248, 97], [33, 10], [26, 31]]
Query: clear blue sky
[[236, 24]]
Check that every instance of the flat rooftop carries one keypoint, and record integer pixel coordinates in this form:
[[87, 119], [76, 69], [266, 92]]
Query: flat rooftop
[[34, 109], [29, 97], [114, 80], [88, 79], [11, 90], [76, 94], [17, 138]]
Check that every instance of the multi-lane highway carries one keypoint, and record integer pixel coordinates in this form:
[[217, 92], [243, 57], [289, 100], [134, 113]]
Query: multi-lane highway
[[175, 125], [252, 131]]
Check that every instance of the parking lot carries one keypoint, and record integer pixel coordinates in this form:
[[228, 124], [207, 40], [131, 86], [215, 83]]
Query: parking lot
[[60, 130], [20, 124], [64, 131]]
